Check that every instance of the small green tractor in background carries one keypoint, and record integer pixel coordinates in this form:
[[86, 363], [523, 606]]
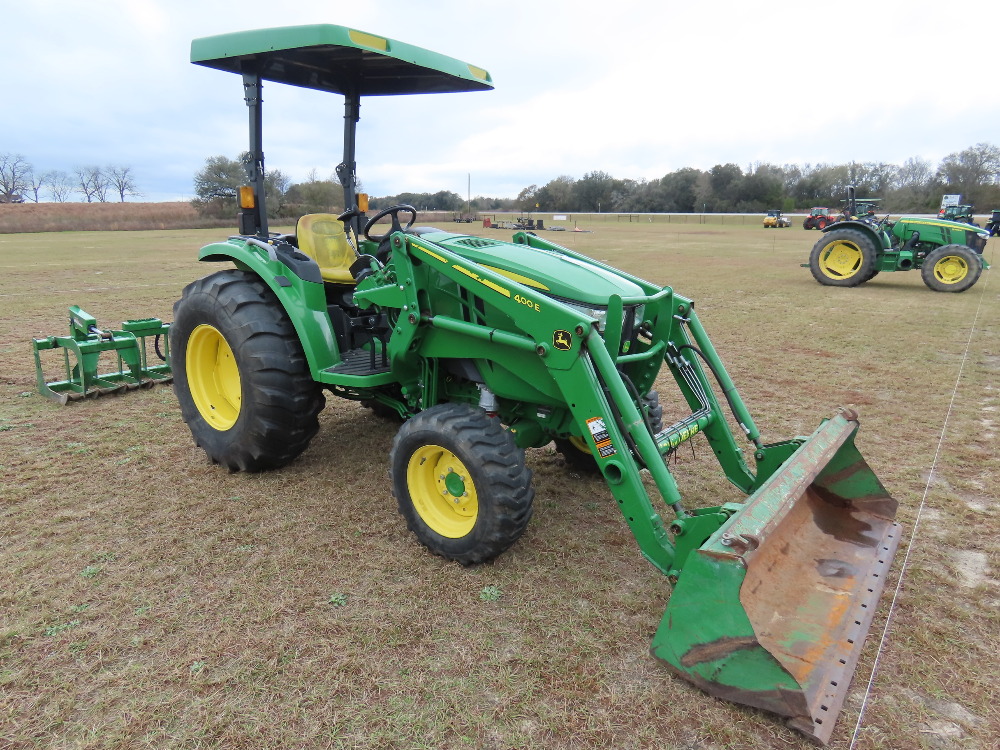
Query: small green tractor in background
[[993, 225], [948, 254], [483, 348], [962, 213], [858, 208]]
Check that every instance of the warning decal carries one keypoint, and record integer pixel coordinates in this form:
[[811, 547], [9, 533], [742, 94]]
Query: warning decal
[[602, 440]]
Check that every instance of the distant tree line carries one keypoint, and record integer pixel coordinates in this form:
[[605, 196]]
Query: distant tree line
[[217, 183], [20, 182], [916, 186]]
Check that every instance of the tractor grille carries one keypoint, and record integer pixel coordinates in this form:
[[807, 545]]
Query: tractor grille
[[976, 242], [477, 242]]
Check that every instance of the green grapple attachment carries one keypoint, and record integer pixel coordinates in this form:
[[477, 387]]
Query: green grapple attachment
[[773, 609], [130, 365]]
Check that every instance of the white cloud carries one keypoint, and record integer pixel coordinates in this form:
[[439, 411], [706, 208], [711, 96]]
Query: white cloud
[[637, 89]]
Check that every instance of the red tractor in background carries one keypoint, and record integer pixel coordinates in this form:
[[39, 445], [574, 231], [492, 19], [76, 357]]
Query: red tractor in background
[[820, 218]]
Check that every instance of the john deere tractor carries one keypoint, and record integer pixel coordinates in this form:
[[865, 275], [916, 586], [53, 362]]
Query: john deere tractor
[[948, 254], [486, 347], [960, 212]]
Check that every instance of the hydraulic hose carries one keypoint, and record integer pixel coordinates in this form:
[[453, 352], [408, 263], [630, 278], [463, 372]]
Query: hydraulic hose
[[638, 400], [722, 387]]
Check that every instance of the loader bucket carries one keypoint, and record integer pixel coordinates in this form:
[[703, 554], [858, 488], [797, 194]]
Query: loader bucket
[[773, 609]]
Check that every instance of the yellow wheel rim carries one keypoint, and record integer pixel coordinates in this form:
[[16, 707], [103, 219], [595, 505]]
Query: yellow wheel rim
[[213, 377], [951, 269], [841, 259], [580, 443], [442, 492]]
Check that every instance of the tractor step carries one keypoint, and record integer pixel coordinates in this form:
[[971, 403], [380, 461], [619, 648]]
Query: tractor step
[[361, 362]]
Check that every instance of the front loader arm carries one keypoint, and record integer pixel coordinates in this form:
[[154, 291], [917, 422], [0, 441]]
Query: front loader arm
[[772, 595], [564, 360]]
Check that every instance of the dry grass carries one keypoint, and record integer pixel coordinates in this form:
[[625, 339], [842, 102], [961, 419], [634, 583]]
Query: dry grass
[[19, 218], [77, 217], [148, 599]]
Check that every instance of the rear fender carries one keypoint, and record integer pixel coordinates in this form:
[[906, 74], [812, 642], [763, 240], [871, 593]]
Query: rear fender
[[880, 238], [295, 280]]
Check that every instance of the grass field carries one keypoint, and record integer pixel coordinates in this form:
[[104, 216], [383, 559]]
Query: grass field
[[151, 600]]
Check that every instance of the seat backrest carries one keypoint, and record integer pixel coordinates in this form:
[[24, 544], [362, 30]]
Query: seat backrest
[[322, 238]]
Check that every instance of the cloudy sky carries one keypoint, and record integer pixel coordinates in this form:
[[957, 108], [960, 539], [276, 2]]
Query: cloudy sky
[[633, 88]]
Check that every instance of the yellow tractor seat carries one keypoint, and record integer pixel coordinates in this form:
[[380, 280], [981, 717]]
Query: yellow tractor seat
[[322, 238]]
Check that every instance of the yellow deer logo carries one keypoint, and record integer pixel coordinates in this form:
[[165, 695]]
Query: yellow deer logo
[[562, 340]]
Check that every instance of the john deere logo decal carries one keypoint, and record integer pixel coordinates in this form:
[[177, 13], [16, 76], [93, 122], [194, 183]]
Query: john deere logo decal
[[562, 340]]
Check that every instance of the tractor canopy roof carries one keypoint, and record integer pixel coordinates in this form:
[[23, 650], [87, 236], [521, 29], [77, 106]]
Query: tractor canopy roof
[[339, 60]]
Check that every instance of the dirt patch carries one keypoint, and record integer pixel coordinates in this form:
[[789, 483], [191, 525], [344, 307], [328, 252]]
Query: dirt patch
[[971, 567]]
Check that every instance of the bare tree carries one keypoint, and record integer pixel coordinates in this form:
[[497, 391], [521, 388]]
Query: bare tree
[[122, 181], [59, 184], [915, 187], [92, 183], [15, 172], [276, 184], [969, 171], [35, 185]]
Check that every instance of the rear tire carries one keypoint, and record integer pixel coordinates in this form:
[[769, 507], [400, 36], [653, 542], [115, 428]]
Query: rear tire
[[871, 276], [240, 374], [843, 257], [461, 482], [951, 268]]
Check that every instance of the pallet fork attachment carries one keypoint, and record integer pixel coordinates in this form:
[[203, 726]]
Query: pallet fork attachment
[[82, 349]]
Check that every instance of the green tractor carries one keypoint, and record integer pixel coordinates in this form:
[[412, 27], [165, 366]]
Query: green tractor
[[948, 254], [485, 347], [993, 225], [962, 213]]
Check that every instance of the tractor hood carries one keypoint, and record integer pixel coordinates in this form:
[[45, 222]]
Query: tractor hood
[[550, 272], [942, 231], [955, 226]]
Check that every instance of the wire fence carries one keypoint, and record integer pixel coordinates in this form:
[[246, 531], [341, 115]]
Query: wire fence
[[564, 219]]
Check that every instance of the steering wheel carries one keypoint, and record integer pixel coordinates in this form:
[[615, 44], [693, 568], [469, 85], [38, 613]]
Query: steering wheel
[[394, 211]]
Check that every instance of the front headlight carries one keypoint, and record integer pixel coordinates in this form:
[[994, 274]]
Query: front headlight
[[600, 313]]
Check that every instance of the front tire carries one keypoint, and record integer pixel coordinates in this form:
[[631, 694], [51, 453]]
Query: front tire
[[951, 268], [240, 375], [843, 257], [461, 482]]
